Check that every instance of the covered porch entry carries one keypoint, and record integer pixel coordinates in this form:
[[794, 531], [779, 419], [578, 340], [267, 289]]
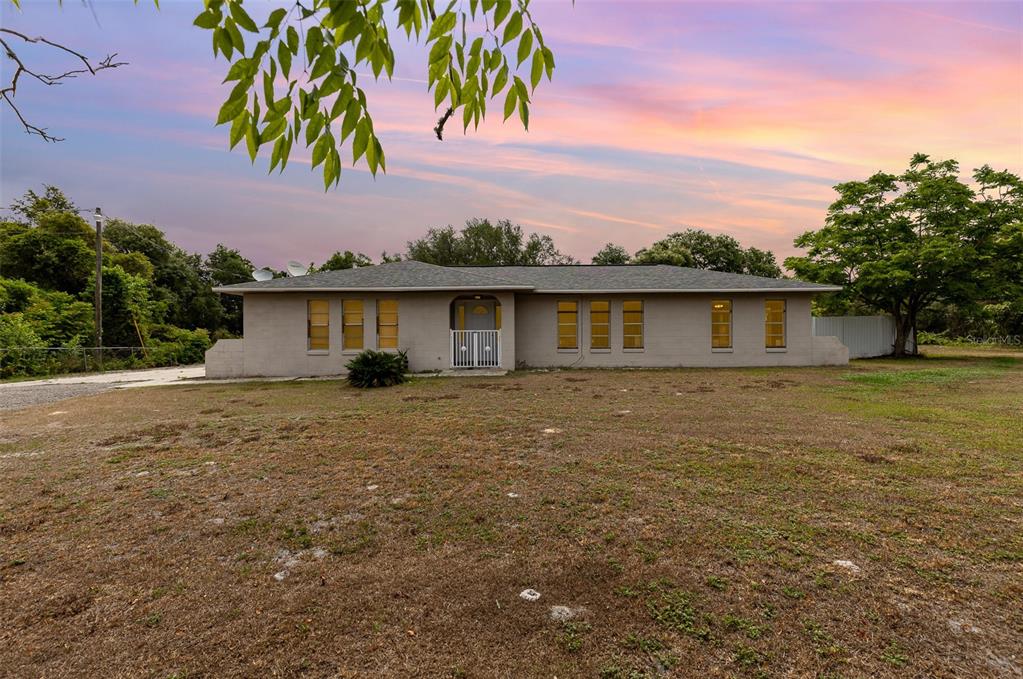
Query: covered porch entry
[[476, 332]]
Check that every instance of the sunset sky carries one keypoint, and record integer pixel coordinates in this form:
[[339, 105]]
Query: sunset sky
[[736, 118]]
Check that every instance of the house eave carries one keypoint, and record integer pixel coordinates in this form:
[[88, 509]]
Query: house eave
[[650, 291], [460, 288]]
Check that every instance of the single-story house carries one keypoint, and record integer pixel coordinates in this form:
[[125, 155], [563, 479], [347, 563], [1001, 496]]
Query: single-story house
[[448, 317]]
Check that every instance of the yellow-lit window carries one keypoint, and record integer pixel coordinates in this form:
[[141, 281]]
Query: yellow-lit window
[[600, 324], [568, 325], [387, 324], [497, 317], [318, 325], [632, 324], [351, 324], [774, 323], [721, 324]]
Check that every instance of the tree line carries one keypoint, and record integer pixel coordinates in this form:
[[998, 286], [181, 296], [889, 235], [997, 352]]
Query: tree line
[[940, 255]]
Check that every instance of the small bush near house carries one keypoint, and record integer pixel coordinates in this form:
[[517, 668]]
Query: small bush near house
[[377, 369]]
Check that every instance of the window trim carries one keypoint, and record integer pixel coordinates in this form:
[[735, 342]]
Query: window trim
[[309, 327], [784, 326], [731, 327], [557, 327], [397, 325], [607, 324], [642, 326]]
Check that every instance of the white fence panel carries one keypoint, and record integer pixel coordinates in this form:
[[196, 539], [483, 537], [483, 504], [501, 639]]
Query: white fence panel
[[866, 336]]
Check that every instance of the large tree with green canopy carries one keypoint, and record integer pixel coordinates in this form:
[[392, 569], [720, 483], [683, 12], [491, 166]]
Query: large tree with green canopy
[[898, 243]]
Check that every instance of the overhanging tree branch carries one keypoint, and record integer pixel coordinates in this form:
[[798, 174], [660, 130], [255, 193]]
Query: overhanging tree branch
[[9, 92]]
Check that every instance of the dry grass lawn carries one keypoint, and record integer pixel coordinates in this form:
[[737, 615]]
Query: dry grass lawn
[[690, 520]]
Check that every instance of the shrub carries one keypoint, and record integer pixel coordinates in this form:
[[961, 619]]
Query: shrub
[[170, 345], [20, 347], [377, 369]]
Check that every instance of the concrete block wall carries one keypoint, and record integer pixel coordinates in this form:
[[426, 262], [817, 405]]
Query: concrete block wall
[[676, 332]]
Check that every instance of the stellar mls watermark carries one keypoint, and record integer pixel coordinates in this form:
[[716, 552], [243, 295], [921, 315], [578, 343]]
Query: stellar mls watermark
[[1016, 340]]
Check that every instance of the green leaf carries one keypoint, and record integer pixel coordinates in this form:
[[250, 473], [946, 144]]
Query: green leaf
[[272, 131], [231, 109], [360, 141], [442, 26], [251, 141], [237, 41], [525, 46], [275, 18], [286, 151], [268, 88], [238, 129], [284, 59], [440, 92], [243, 68], [509, 102], [351, 119], [371, 157], [322, 148], [208, 19], [514, 27], [242, 18], [500, 81], [536, 72], [522, 89], [501, 11], [312, 131], [524, 114], [292, 39], [324, 62], [341, 101], [380, 154], [440, 49], [331, 170], [275, 156], [548, 60]]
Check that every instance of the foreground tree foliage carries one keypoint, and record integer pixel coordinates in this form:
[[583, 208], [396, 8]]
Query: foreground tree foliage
[[482, 243], [479, 51], [901, 243], [294, 71]]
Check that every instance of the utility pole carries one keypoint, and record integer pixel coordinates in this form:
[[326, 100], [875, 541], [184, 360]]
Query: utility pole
[[98, 298]]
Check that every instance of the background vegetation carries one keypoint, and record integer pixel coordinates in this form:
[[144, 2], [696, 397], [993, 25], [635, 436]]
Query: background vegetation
[[944, 258]]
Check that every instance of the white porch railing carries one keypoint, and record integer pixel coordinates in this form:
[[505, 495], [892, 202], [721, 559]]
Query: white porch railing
[[475, 348]]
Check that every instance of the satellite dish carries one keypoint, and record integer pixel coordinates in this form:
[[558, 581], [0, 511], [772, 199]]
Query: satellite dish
[[297, 268], [262, 274]]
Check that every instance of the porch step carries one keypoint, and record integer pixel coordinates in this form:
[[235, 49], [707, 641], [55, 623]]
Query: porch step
[[470, 372]]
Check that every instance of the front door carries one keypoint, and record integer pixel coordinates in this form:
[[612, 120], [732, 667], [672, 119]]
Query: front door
[[479, 314]]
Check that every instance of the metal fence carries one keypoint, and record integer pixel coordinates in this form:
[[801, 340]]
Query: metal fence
[[866, 336], [42, 361]]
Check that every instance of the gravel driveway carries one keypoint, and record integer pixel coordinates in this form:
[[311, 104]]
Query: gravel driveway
[[18, 395]]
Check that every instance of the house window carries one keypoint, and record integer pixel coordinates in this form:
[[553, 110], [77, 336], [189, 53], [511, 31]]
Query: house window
[[568, 325], [600, 324], [632, 324], [774, 323], [351, 324], [721, 324], [318, 325], [387, 324]]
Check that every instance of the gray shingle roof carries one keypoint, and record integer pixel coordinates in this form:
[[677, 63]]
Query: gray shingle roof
[[404, 275], [631, 277], [410, 276]]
